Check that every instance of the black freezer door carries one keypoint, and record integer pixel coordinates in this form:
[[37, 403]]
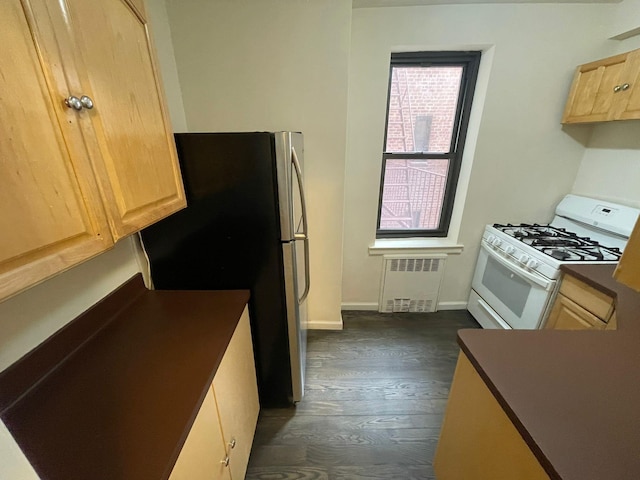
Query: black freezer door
[[228, 237]]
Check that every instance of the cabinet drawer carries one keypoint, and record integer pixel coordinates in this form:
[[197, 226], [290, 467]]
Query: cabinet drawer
[[592, 300], [568, 315]]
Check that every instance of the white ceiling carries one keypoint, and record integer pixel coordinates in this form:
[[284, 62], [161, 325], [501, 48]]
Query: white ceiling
[[412, 3]]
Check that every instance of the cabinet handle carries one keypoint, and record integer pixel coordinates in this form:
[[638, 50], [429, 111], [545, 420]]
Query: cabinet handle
[[225, 462], [86, 102], [232, 443], [625, 87], [617, 88], [73, 102]]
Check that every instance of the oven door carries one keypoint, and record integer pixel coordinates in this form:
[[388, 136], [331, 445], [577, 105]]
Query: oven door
[[508, 295]]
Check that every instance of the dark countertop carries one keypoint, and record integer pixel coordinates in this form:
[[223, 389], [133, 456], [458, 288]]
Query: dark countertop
[[573, 395], [114, 394]]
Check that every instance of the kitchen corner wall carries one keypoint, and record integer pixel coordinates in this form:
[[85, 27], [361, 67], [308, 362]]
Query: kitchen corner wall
[[523, 161], [610, 167], [271, 65]]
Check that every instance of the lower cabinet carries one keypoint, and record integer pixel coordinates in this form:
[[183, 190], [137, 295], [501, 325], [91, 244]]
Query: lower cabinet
[[579, 306], [219, 443], [568, 315], [473, 416], [204, 454], [236, 390]]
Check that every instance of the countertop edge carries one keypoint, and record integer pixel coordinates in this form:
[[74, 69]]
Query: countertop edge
[[146, 358], [549, 383], [526, 436]]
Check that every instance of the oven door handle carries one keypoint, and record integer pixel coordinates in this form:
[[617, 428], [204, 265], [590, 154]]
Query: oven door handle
[[531, 277]]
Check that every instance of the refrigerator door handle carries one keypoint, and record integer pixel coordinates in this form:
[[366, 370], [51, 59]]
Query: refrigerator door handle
[[304, 236]]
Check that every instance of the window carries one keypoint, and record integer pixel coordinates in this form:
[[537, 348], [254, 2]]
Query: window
[[428, 107]]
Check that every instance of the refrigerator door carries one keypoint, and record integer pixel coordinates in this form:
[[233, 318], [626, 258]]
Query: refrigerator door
[[293, 224], [296, 317], [229, 237], [302, 230], [288, 196]]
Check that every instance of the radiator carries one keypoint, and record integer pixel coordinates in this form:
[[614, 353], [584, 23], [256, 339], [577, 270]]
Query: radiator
[[411, 284]]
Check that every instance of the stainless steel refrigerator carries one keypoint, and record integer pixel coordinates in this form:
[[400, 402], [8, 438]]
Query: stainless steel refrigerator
[[245, 227]]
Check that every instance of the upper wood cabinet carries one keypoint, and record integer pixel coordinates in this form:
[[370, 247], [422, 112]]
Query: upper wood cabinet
[[105, 53], [605, 90], [75, 181], [51, 215]]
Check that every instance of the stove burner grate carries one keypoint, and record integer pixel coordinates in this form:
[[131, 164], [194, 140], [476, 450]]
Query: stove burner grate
[[559, 243]]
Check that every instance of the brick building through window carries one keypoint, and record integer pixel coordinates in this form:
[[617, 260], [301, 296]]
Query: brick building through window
[[428, 106]]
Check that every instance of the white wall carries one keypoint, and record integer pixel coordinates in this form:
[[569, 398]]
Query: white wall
[[161, 32], [523, 161], [272, 65], [610, 167], [32, 316], [29, 318]]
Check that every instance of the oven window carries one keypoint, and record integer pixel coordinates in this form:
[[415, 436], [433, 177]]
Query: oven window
[[510, 289]]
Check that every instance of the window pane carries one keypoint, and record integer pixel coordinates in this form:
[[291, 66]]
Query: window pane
[[413, 194], [422, 108]]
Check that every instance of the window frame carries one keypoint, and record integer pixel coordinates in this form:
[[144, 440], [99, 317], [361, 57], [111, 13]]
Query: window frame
[[470, 63]]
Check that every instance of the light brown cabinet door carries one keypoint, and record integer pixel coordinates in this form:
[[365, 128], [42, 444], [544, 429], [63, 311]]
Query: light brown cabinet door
[[236, 393], [51, 217], [592, 94], [203, 455], [591, 299], [628, 105], [568, 315], [137, 164]]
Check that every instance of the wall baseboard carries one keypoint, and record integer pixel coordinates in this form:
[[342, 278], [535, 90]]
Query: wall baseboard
[[369, 306], [452, 306], [325, 325]]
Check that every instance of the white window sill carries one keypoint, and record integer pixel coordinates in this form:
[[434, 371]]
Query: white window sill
[[408, 246]]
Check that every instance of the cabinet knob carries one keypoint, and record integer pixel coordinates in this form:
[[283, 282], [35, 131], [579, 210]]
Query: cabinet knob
[[73, 102], [625, 86], [232, 443], [225, 462], [86, 102]]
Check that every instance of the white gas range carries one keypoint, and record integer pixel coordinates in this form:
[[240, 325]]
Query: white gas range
[[518, 266]]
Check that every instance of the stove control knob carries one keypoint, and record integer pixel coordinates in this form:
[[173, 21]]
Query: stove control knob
[[510, 250], [524, 259], [490, 239], [532, 264], [496, 242]]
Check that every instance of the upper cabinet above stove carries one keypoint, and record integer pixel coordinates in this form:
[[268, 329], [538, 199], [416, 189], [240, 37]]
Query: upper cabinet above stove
[[605, 90]]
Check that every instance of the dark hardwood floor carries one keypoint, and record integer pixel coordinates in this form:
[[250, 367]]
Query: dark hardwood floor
[[374, 401]]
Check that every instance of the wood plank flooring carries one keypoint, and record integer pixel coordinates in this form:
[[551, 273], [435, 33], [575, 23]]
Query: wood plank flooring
[[374, 401]]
